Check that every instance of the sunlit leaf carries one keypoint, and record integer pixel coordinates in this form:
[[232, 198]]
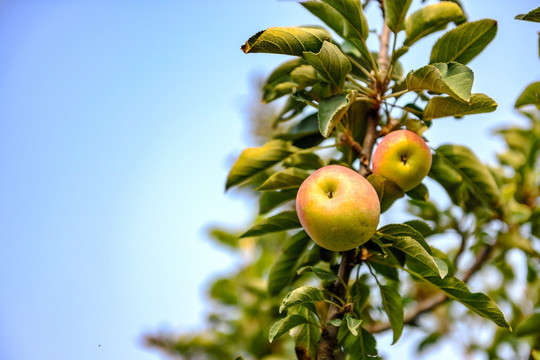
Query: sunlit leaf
[[301, 295], [330, 62], [430, 19], [387, 190], [420, 192], [283, 326], [286, 179], [421, 226], [463, 43], [479, 303], [443, 106], [533, 15], [306, 337], [450, 78], [287, 40], [280, 82], [529, 96], [395, 230], [283, 221], [304, 160], [395, 12], [322, 274], [305, 75], [353, 324], [331, 111], [474, 177], [414, 250]]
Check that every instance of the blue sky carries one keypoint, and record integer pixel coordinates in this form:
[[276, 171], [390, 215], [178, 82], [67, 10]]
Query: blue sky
[[118, 120]]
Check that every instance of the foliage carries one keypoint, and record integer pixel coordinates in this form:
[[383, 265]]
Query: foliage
[[292, 298]]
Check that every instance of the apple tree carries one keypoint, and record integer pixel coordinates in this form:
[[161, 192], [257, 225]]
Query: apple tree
[[292, 298]]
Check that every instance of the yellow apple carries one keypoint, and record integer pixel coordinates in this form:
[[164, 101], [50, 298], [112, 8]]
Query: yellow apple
[[403, 157], [338, 208]]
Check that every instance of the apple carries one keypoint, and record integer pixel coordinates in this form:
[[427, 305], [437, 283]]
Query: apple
[[338, 208], [403, 157]]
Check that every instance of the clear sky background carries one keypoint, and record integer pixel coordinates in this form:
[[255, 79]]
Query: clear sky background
[[118, 121]]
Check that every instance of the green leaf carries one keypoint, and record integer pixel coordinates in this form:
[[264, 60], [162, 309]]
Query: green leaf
[[354, 13], [420, 192], [479, 303], [300, 296], [345, 17], [322, 274], [306, 340], [269, 200], [305, 75], [353, 324], [443, 106], [529, 326], [414, 250], [283, 270], [533, 15], [529, 96], [224, 237], [430, 19], [394, 230], [395, 12], [284, 70], [283, 221], [308, 161], [331, 111], [393, 306], [254, 160], [279, 82], [330, 62], [421, 226], [387, 190], [306, 129], [475, 179], [283, 326], [290, 178], [363, 346], [287, 40], [360, 294], [463, 43], [450, 78]]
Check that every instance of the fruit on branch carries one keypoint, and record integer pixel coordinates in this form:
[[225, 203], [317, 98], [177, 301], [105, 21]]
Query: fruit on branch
[[403, 157], [338, 208]]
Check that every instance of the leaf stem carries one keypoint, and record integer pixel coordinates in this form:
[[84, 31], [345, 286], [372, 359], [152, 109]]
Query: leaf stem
[[396, 94]]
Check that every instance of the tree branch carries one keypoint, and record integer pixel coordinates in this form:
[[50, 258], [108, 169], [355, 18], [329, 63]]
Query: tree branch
[[439, 299], [328, 342]]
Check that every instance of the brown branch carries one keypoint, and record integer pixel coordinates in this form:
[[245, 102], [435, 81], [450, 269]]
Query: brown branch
[[345, 138], [439, 299], [328, 342]]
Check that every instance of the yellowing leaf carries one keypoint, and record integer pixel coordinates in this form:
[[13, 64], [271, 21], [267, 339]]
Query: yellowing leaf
[[430, 19], [287, 40], [450, 78], [443, 106]]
